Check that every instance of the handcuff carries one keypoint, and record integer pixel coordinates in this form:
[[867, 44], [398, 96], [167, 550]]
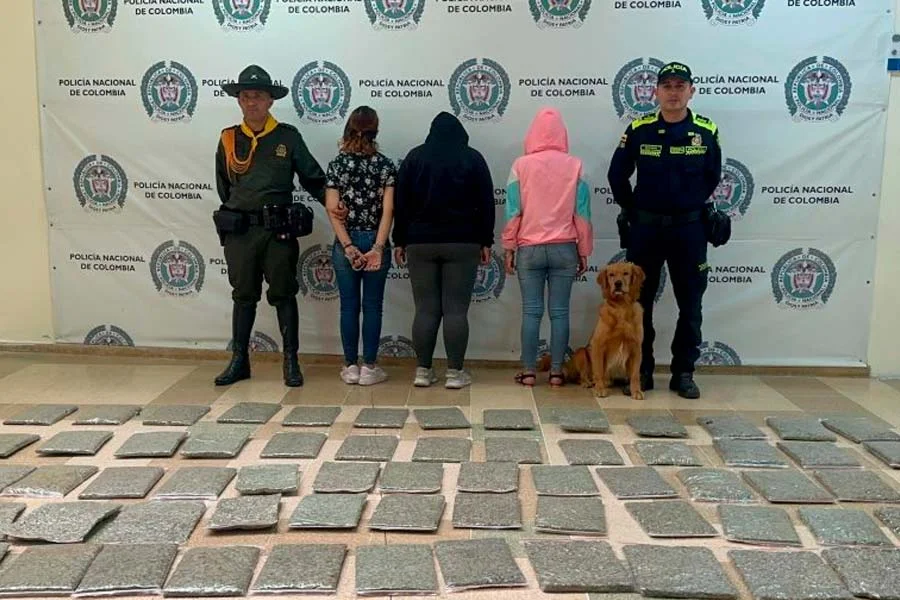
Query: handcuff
[[353, 263]]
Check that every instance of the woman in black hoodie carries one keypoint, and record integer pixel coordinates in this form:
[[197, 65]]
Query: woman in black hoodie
[[443, 227]]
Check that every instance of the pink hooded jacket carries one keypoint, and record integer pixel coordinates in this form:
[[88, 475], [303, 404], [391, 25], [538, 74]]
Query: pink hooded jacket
[[547, 199]]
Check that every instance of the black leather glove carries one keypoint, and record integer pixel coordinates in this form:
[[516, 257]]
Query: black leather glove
[[624, 226]]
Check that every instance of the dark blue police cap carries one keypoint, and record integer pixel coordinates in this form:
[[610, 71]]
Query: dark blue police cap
[[677, 70]]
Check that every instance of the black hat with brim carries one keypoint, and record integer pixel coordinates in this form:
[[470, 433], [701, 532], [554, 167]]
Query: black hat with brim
[[677, 70], [255, 77]]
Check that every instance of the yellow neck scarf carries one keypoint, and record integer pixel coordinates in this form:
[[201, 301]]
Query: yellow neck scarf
[[235, 164]]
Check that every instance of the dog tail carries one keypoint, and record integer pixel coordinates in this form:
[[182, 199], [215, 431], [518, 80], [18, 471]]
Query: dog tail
[[543, 363]]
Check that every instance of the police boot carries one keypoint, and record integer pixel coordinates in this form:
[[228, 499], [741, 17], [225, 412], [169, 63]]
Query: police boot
[[289, 324], [683, 384], [242, 317]]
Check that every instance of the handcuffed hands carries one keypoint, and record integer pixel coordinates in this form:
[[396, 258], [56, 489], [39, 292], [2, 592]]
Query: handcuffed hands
[[356, 258], [373, 259]]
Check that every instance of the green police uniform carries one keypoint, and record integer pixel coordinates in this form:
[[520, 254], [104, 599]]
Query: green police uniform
[[254, 170]]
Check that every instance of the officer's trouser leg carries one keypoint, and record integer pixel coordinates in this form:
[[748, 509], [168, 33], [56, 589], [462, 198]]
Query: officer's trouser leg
[[280, 267], [689, 272], [644, 250], [245, 276], [243, 255]]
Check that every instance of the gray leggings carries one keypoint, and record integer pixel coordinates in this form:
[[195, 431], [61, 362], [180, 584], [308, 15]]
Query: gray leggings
[[442, 277]]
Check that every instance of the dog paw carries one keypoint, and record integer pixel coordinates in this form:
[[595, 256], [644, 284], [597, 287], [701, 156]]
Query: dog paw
[[587, 384], [637, 395], [602, 392]]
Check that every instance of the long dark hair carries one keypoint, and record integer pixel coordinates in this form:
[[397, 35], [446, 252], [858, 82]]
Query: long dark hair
[[360, 132]]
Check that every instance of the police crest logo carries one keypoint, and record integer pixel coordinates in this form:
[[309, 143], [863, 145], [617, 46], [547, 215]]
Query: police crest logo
[[634, 88], [479, 90], [620, 257], [718, 354], [100, 184], [489, 280], [177, 268], [90, 16], [315, 273], [169, 92], [396, 346], [732, 12], [242, 15], [281, 151], [259, 342], [321, 92], [817, 89], [107, 335], [559, 13], [395, 14], [735, 190], [803, 278]]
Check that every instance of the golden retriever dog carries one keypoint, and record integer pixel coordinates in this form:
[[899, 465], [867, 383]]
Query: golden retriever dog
[[615, 347]]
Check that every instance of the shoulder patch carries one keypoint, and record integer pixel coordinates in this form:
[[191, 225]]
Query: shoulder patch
[[645, 120], [705, 123]]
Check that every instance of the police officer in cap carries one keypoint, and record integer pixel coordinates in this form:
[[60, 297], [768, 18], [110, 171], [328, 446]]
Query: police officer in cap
[[255, 166], [665, 218]]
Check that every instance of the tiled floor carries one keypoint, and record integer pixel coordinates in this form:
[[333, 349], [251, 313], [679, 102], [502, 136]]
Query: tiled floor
[[29, 379]]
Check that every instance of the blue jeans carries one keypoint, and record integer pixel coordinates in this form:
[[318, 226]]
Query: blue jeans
[[370, 298], [556, 265]]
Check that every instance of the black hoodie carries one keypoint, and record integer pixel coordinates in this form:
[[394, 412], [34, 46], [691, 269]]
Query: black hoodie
[[444, 191]]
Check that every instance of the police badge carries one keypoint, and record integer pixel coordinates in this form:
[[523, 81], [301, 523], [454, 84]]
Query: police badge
[[281, 151], [696, 140]]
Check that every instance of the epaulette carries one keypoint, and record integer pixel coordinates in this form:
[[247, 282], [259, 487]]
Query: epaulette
[[645, 120], [705, 122]]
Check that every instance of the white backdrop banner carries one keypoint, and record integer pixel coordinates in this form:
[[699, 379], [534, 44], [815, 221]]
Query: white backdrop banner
[[132, 109]]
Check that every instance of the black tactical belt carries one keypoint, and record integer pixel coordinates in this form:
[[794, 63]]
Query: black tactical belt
[[660, 220]]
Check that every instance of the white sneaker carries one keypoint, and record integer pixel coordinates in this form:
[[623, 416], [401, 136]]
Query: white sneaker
[[457, 379], [424, 377], [350, 374], [371, 375]]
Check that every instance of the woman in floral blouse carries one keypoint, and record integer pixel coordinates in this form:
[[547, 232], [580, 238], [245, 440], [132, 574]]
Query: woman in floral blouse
[[361, 179]]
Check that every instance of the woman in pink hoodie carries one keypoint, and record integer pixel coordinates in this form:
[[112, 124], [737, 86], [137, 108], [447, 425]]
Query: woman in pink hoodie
[[548, 236]]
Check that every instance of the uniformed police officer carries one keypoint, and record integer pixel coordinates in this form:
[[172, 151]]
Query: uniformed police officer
[[678, 159], [255, 166]]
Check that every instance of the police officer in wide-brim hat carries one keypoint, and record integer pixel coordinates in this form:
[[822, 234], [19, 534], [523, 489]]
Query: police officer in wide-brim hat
[[255, 77], [256, 162]]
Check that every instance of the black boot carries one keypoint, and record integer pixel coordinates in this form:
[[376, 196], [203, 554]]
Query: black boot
[[683, 384], [242, 317], [289, 324]]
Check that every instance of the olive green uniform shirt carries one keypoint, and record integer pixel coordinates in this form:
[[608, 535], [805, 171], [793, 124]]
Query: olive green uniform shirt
[[270, 179]]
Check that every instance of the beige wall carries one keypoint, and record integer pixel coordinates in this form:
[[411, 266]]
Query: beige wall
[[25, 309]]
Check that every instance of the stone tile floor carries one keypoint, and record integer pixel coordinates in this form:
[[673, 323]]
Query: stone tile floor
[[34, 379]]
